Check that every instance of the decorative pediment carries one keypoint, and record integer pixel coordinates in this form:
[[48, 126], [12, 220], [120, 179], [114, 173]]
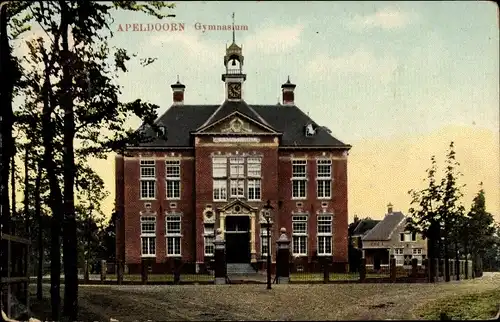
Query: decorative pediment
[[237, 207], [237, 123]]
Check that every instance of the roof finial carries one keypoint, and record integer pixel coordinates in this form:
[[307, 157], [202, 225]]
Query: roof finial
[[288, 81], [234, 38], [178, 79]]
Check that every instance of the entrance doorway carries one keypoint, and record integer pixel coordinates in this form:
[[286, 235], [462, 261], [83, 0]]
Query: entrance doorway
[[237, 233]]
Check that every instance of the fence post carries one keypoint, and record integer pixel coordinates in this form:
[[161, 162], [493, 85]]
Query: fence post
[[458, 265], [104, 268], [283, 258], [177, 270], [393, 269], [326, 270], [144, 272], [86, 272], [362, 270], [220, 258], [119, 272], [414, 267]]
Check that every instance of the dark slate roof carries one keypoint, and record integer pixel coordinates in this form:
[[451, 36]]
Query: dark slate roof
[[229, 107], [383, 230], [364, 226], [181, 120]]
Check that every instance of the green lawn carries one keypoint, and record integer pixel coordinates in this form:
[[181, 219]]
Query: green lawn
[[475, 306]]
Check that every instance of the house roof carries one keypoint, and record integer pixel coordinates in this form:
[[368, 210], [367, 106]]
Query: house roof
[[181, 120], [364, 226], [383, 230]]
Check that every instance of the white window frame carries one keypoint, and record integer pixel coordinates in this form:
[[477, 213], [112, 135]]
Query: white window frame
[[252, 186], [299, 237], [173, 179], [220, 186], [237, 188], [299, 180], [263, 240], [254, 167], [147, 179], [407, 237], [237, 167], [208, 240], [219, 167], [148, 236], [174, 235], [417, 251], [325, 237], [324, 179]]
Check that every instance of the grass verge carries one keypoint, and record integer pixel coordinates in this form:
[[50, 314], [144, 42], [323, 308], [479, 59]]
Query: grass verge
[[474, 306]]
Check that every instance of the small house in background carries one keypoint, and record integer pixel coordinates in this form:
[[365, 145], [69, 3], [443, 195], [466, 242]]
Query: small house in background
[[390, 237], [360, 230]]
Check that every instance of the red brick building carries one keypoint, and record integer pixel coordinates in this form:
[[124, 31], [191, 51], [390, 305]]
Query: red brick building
[[215, 166]]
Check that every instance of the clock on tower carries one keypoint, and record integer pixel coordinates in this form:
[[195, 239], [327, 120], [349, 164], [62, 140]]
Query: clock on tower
[[234, 90]]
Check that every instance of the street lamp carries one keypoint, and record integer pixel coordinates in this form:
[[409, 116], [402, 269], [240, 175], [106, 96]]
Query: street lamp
[[267, 215]]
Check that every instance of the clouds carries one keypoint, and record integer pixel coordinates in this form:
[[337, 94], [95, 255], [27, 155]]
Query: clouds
[[386, 18], [360, 62], [274, 39]]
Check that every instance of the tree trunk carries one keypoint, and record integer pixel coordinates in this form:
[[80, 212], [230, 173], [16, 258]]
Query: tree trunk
[[26, 193], [48, 129], [466, 251], [6, 88], [69, 226], [13, 184], [38, 216], [457, 261]]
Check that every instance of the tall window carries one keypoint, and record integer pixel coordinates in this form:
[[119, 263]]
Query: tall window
[[299, 235], [219, 167], [398, 256], [324, 178], [220, 190], [148, 236], [173, 235], [237, 167], [254, 167], [264, 247], [148, 179], [237, 188], [299, 178], [254, 189], [325, 235], [237, 173], [173, 174], [209, 237]]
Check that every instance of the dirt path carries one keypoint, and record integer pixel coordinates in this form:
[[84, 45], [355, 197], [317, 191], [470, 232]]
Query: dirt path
[[283, 302]]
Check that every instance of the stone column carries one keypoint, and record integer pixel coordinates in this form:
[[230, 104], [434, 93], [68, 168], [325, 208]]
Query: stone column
[[283, 257], [253, 252], [222, 223], [220, 258]]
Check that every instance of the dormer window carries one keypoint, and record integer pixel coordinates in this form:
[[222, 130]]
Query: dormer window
[[310, 130], [162, 131]]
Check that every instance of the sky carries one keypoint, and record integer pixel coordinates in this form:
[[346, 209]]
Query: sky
[[396, 80]]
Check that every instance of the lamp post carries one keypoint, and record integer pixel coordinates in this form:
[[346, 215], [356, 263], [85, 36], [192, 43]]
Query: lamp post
[[267, 215]]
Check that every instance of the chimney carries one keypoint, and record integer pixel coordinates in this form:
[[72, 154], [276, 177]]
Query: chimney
[[178, 92], [288, 95], [389, 208]]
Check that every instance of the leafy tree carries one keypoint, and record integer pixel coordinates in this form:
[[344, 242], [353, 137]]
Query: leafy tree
[[77, 96], [450, 208], [425, 216], [481, 230]]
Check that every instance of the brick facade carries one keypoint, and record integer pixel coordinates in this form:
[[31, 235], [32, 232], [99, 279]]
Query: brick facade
[[197, 192]]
